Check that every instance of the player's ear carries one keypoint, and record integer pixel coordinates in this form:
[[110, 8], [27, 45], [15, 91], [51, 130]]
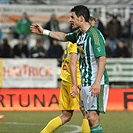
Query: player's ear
[[81, 18]]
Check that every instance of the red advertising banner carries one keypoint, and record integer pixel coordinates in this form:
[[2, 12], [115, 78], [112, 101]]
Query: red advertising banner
[[46, 99], [29, 99], [120, 99]]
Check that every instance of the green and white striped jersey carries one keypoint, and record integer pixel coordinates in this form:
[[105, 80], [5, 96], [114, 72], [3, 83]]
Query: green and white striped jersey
[[90, 46]]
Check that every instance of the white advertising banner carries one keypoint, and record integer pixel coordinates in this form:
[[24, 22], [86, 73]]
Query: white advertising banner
[[29, 73]]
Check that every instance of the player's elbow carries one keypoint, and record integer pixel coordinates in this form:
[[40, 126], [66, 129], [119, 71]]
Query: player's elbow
[[103, 59]]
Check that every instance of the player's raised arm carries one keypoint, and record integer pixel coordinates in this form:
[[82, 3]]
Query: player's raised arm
[[36, 28]]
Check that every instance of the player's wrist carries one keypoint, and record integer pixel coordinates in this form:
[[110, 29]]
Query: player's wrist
[[46, 32], [75, 85]]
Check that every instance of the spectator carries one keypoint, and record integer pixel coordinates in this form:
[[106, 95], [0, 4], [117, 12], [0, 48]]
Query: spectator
[[5, 49], [20, 50], [122, 50], [52, 25], [108, 51], [38, 51], [23, 27], [126, 34], [112, 45], [114, 28], [113, 32], [55, 50]]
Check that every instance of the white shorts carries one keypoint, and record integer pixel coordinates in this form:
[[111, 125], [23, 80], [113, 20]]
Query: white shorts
[[90, 103]]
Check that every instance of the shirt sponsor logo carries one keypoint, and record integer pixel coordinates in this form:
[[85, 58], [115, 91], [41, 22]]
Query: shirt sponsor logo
[[64, 67]]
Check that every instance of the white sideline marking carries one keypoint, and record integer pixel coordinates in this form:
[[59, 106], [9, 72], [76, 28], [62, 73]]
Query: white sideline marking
[[77, 128], [19, 123]]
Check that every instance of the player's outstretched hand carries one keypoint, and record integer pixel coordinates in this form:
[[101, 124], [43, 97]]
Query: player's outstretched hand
[[36, 28]]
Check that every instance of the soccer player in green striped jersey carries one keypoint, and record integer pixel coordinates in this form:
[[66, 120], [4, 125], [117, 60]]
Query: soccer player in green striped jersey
[[92, 59]]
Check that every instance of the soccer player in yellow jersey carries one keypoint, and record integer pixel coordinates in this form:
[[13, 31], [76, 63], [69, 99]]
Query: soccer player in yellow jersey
[[69, 92]]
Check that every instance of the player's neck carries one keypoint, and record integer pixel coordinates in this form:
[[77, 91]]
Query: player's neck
[[85, 27]]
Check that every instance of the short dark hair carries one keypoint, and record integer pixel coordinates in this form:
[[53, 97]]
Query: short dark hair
[[81, 10]]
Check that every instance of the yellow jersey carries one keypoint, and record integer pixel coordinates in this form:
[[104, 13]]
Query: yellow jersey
[[65, 68]]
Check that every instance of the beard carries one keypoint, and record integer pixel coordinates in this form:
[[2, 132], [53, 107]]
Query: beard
[[74, 28]]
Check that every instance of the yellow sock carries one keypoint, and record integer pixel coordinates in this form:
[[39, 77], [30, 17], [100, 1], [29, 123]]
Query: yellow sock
[[52, 125], [85, 126]]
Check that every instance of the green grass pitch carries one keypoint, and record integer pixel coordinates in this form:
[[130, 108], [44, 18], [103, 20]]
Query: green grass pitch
[[33, 122]]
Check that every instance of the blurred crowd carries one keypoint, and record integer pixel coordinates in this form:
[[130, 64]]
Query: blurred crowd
[[117, 39], [21, 50]]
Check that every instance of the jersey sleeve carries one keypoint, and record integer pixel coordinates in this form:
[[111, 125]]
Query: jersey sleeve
[[98, 44], [71, 37], [73, 48]]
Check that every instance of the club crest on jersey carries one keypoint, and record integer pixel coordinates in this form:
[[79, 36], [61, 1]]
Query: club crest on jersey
[[80, 50], [98, 49]]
